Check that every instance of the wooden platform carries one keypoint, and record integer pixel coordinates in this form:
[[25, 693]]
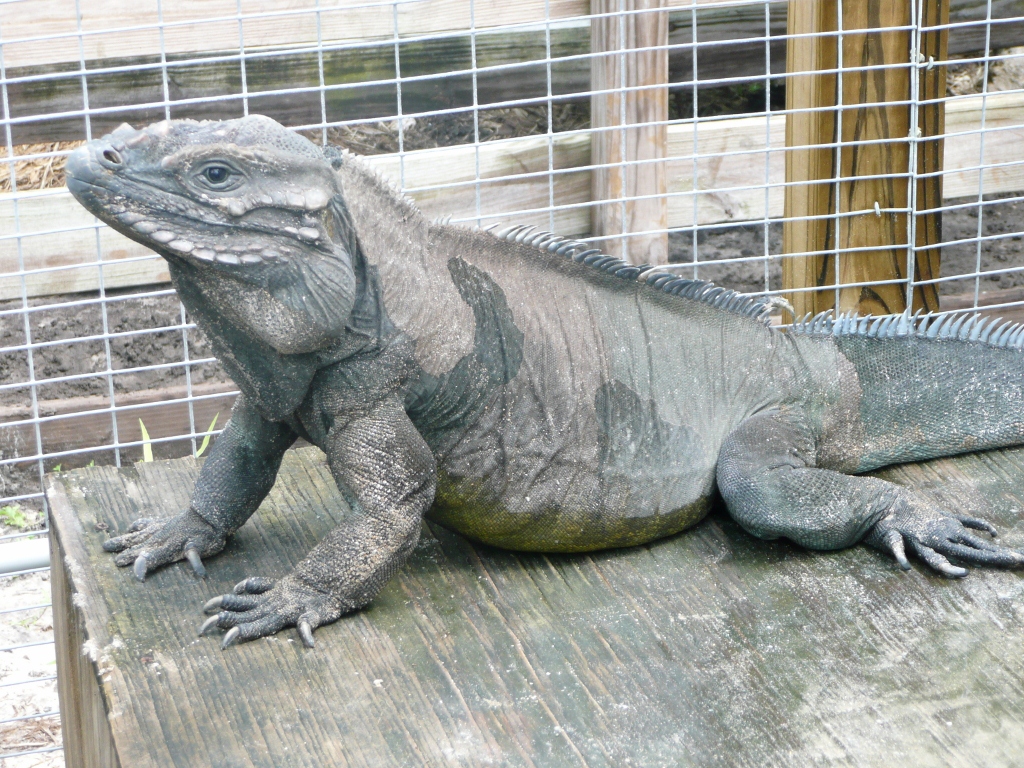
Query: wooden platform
[[707, 649]]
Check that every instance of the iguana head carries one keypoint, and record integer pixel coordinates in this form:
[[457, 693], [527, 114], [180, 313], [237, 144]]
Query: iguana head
[[245, 197]]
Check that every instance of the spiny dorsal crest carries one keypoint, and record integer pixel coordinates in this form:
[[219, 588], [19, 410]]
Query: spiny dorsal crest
[[957, 326], [337, 155], [754, 307]]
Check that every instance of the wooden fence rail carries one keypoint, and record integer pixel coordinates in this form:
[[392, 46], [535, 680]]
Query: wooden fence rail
[[78, 423], [124, 73]]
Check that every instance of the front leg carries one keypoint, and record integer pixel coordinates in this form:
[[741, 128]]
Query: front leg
[[768, 478], [234, 480], [380, 459]]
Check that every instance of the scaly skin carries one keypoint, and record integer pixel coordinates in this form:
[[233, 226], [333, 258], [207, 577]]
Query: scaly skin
[[517, 388]]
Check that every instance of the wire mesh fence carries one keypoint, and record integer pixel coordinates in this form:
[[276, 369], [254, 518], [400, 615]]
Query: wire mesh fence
[[772, 147]]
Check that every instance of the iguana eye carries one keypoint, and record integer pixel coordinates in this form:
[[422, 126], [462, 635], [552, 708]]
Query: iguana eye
[[216, 174]]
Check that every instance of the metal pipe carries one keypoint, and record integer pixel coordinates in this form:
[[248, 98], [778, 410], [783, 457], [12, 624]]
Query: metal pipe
[[24, 555]]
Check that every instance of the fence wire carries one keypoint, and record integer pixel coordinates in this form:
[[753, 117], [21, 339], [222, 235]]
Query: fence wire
[[487, 112]]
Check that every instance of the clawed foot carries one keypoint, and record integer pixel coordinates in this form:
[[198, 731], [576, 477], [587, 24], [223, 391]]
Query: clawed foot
[[149, 543], [259, 607], [935, 535]]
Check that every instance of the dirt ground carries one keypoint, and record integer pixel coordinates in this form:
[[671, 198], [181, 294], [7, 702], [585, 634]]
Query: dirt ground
[[123, 314], [1001, 215]]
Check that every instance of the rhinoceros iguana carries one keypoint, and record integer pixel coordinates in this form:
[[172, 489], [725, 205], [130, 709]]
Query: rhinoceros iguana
[[520, 388]]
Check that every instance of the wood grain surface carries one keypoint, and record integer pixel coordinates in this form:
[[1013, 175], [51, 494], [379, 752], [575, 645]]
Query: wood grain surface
[[629, 122], [710, 648], [850, 156]]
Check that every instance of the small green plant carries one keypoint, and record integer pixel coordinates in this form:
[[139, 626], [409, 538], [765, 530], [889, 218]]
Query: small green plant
[[206, 440], [91, 463], [57, 468], [147, 444], [14, 516]]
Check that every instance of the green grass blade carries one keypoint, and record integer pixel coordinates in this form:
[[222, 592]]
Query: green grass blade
[[147, 446], [206, 440]]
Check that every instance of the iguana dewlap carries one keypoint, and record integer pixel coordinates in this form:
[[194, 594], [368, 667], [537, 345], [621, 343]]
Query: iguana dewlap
[[522, 389]]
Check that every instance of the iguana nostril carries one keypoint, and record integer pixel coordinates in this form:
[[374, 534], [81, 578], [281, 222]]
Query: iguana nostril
[[112, 156]]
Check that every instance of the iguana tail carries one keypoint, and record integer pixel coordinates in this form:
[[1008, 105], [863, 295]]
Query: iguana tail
[[931, 386]]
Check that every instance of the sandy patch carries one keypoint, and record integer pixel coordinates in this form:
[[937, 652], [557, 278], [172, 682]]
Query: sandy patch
[[35, 664]]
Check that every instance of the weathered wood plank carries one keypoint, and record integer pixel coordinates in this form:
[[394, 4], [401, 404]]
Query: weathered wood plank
[[443, 181], [1003, 139], [57, 249], [86, 735], [48, 33], [629, 119], [710, 648], [359, 82], [930, 116]]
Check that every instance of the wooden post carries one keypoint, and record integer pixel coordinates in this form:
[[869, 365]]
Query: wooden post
[[634, 156], [872, 246]]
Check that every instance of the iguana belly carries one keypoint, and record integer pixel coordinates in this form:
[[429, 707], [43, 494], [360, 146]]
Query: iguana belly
[[594, 483], [469, 508]]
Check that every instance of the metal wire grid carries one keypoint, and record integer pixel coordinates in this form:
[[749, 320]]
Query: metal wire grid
[[761, 182]]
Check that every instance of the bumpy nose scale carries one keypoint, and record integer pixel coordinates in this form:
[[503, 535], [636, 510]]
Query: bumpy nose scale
[[110, 158], [107, 153]]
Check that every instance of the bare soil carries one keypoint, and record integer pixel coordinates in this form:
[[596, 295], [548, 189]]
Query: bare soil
[[144, 318], [742, 248]]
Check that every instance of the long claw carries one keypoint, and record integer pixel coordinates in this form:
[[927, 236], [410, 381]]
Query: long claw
[[230, 638], [995, 556], [977, 542], [207, 625], [213, 605], [140, 567], [977, 524], [197, 564], [306, 633], [937, 561], [894, 540], [254, 585]]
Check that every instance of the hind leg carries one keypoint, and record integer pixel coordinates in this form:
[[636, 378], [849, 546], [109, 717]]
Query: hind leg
[[768, 478]]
